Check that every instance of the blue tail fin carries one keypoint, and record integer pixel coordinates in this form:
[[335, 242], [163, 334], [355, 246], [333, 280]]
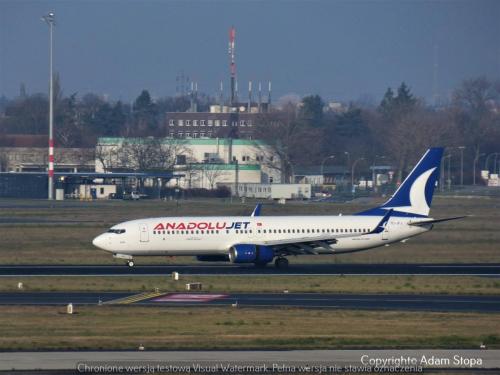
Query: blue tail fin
[[414, 196]]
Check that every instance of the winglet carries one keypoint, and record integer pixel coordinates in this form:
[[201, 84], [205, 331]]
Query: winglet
[[256, 210], [381, 225]]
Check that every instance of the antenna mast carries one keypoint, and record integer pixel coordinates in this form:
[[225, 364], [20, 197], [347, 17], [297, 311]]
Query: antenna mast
[[232, 64]]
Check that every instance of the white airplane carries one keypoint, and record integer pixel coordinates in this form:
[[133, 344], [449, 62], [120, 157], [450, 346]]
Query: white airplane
[[260, 240]]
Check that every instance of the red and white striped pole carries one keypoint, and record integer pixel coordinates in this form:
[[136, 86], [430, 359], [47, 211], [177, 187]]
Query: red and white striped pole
[[49, 18]]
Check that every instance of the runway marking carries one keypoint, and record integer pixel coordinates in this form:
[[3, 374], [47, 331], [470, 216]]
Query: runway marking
[[133, 298], [458, 266], [187, 297]]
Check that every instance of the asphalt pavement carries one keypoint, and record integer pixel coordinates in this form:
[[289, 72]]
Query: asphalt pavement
[[417, 302], [460, 269]]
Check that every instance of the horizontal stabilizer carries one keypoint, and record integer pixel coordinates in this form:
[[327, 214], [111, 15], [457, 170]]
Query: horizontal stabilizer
[[429, 222]]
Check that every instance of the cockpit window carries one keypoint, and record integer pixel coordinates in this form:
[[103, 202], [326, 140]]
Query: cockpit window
[[117, 231]]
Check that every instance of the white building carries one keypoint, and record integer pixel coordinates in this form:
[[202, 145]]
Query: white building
[[270, 191], [204, 162]]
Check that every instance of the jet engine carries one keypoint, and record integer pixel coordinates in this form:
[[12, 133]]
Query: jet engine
[[247, 253]]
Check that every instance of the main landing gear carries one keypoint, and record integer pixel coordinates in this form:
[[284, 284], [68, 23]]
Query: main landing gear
[[281, 263]]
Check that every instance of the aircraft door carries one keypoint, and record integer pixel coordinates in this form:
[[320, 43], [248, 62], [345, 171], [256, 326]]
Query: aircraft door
[[143, 232]]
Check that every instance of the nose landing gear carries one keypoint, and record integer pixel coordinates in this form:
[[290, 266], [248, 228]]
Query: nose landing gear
[[128, 258]]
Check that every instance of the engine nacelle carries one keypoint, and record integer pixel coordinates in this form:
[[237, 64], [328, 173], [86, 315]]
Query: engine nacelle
[[213, 258], [248, 253]]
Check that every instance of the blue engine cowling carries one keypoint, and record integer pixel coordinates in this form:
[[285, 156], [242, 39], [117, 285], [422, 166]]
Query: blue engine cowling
[[248, 253]]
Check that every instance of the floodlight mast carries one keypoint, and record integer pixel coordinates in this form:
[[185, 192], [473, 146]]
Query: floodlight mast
[[50, 20]]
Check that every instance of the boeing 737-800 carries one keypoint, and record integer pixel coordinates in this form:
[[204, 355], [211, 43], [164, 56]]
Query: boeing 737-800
[[260, 240]]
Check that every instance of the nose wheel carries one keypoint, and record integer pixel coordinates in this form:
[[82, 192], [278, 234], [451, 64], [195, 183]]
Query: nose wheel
[[281, 263], [130, 263]]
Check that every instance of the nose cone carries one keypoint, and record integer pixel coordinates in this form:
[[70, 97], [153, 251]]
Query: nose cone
[[100, 241]]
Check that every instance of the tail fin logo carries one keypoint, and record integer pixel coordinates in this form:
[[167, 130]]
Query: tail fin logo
[[414, 196], [418, 201]]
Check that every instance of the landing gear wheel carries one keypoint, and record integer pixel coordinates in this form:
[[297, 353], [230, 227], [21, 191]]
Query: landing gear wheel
[[281, 263], [130, 263]]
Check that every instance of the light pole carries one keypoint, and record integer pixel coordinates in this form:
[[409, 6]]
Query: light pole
[[449, 172], [348, 160], [495, 163], [374, 171], [323, 165], [352, 170], [50, 20], [461, 148], [476, 159], [487, 161], [443, 177]]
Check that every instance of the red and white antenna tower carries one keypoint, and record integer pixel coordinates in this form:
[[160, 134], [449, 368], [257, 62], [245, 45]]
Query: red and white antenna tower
[[232, 63]]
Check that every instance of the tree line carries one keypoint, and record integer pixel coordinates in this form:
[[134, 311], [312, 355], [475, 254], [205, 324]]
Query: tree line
[[395, 131], [79, 121]]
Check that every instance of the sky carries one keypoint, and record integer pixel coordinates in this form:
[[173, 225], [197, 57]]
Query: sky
[[341, 50]]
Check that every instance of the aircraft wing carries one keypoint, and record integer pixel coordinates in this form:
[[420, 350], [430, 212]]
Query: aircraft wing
[[309, 244], [305, 245]]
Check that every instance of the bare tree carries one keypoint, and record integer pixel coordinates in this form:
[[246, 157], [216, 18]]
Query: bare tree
[[472, 112], [107, 156], [150, 153], [4, 161], [287, 141], [212, 172], [414, 132]]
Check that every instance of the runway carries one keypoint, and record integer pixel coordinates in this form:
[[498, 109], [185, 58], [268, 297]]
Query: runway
[[462, 269], [269, 361], [448, 303]]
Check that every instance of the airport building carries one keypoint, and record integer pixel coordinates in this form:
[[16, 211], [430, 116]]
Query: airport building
[[29, 153], [202, 162], [220, 122]]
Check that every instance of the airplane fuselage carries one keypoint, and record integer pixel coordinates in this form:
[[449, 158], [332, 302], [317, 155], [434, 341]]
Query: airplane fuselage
[[216, 235]]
